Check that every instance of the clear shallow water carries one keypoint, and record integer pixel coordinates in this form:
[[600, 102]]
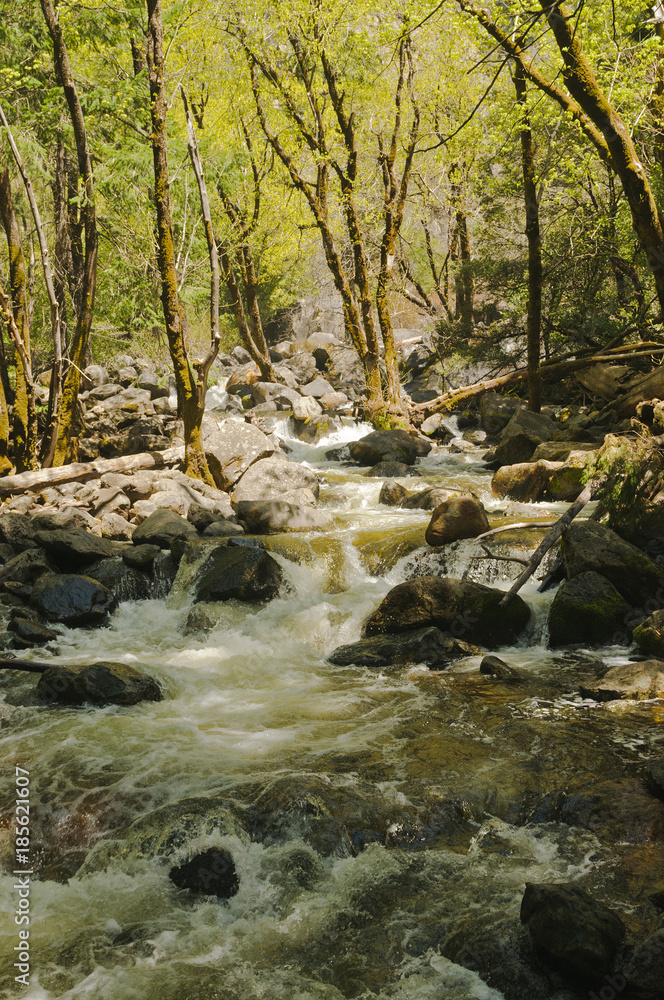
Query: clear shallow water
[[383, 823]]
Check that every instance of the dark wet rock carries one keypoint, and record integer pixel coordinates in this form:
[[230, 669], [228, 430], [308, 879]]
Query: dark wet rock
[[212, 872], [588, 609], [29, 632], [7, 552], [497, 411], [577, 933], [644, 973], [264, 517], [71, 599], [26, 567], [223, 528], [649, 635], [232, 570], [393, 446], [588, 545], [638, 681], [654, 776], [162, 528], [526, 482], [141, 557], [425, 645], [457, 518], [390, 470], [392, 494], [493, 666], [17, 530], [99, 684], [277, 479], [469, 611], [124, 581], [74, 548], [525, 431], [232, 449]]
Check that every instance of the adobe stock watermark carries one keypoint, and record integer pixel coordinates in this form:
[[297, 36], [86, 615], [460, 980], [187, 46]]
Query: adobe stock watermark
[[22, 871], [615, 984]]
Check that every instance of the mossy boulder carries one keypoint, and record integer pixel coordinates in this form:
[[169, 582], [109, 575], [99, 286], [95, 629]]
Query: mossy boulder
[[649, 635], [588, 609], [591, 547], [467, 610]]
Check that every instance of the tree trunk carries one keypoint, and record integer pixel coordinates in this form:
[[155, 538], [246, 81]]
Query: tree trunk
[[5, 463], [24, 423], [190, 406], [584, 88], [534, 322], [67, 444]]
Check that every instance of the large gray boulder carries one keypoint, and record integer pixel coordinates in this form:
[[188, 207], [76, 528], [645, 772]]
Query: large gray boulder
[[577, 933], [232, 449], [588, 545], [469, 611], [632, 681], [72, 599], [588, 609], [277, 479], [524, 432], [232, 570], [457, 518], [267, 517], [497, 411], [525, 481], [392, 446]]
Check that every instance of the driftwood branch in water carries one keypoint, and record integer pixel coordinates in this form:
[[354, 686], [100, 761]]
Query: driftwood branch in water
[[80, 471], [452, 399], [558, 529], [491, 555], [33, 668]]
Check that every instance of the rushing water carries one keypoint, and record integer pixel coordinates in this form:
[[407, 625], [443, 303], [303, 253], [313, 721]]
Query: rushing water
[[383, 824]]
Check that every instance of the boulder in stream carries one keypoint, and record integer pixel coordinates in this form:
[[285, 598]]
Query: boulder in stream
[[103, 683], [231, 569], [649, 635], [393, 446], [72, 599], [525, 431], [390, 470], [212, 872], [526, 481], [232, 449], [74, 548], [457, 518], [576, 933], [162, 528], [424, 645], [588, 609], [493, 666], [276, 478], [588, 545], [635, 681], [468, 610], [265, 517]]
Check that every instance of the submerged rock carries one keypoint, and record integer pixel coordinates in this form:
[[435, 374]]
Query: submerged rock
[[638, 681], [577, 933], [213, 872], [469, 611], [460, 517], [588, 609], [71, 599], [425, 645], [390, 470], [98, 684]]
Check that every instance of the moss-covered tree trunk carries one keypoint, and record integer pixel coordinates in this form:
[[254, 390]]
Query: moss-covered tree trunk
[[24, 422], [6, 466], [534, 321], [191, 399], [66, 443]]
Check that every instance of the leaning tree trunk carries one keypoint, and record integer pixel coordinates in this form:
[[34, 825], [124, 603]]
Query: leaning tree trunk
[[24, 422], [5, 462], [66, 445], [189, 403], [534, 321]]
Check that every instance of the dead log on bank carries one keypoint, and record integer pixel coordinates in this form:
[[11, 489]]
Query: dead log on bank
[[26, 482]]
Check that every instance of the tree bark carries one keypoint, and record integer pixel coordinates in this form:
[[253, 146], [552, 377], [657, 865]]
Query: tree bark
[[534, 321], [82, 471], [24, 423], [189, 403], [66, 443]]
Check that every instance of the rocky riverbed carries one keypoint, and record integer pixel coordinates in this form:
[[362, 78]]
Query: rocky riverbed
[[344, 762]]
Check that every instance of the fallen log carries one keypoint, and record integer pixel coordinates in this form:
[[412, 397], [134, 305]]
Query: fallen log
[[558, 529], [33, 668], [452, 399], [25, 482]]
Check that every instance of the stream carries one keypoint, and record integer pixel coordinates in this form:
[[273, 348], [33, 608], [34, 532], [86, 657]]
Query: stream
[[383, 824]]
